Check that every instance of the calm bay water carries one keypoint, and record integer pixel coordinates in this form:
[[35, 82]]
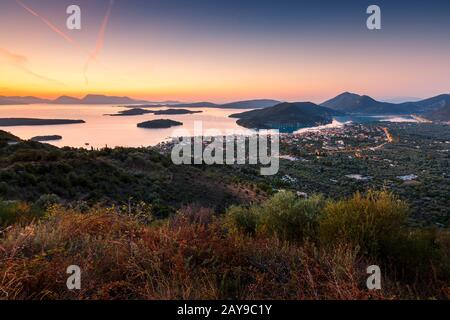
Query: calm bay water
[[101, 130]]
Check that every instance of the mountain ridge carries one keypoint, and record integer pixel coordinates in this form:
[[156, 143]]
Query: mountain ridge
[[353, 103], [347, 102], [286, 116], [439, 115]]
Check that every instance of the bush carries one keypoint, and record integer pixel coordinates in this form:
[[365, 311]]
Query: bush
[[413, 253], [47, 200], [13, 211], [364, 221], [284, 215], [289, 217], [239, 219]]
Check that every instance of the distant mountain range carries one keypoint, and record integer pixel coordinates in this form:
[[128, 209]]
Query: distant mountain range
[[349, 103], [97, 99], [21, 100], [352, 103], [89, 99], [246, 104], [287, 117], [129, 102]]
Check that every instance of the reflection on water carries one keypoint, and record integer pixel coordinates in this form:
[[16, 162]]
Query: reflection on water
[[335, 124], [100, 130], [383, 118]]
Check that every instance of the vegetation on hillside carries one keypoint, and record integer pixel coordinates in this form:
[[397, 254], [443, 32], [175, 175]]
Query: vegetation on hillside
[[281, 249], [141, 227], [30, 170]]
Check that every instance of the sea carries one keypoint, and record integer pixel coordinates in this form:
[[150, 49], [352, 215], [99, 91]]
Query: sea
[[102, 130]]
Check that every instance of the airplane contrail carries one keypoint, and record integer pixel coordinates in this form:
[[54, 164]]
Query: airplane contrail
[[100, 39], [53, 27], [92, 56]]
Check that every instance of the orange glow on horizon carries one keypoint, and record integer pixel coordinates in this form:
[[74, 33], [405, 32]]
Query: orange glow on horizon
[[143, 64]]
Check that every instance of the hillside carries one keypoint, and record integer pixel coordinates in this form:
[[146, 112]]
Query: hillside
[[439, 115], [357, 104], [362, 104], [433, 103], [31, 170], [6, 137], [286, 117]]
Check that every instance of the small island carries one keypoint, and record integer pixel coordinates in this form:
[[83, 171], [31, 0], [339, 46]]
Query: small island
[[131, 112], [46, 138], [159, 124], [140, 111], [13, 122], [175, 111]]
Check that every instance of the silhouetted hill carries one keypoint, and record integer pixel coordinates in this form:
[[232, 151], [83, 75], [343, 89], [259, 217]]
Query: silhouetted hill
[[101, 99], [246, 104], [357, 104], [140, 111], [4, 101], [286, 116], [251, 104], [21, 100], [439, 115], [66, 100], [97, 99], [178, 105], [433, 103]]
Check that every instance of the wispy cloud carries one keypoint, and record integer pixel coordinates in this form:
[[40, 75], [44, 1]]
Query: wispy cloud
[[20, 61]]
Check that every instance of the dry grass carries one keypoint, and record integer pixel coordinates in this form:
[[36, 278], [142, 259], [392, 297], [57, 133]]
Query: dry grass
[[192, 256]]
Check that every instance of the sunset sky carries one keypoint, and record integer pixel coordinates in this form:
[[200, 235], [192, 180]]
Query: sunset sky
[[225, 50]]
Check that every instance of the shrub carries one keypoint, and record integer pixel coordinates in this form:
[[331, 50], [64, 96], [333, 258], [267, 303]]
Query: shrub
[[284, 215], [289, 217], [364, 221], [13, 211], [239, 219], [47, 200], [413, 253]]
